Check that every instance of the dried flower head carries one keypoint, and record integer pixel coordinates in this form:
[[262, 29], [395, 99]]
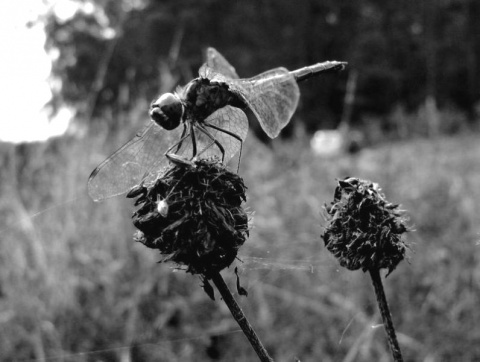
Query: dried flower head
[[193, 215], [364, 230]]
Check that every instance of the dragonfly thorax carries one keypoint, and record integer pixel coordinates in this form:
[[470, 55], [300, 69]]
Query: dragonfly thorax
[[203, 97], [167, 111]]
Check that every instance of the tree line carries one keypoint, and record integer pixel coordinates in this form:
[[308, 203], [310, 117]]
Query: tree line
[[404, 52]]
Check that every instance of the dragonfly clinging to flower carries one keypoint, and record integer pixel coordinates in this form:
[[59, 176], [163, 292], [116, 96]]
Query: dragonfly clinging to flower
[[208, 117]]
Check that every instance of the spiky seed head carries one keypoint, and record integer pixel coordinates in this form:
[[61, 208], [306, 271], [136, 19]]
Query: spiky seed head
[[364, 230], [204, 223]]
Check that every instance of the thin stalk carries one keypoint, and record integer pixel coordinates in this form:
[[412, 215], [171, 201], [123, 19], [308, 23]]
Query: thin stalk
[[240, 317], [386, 316]]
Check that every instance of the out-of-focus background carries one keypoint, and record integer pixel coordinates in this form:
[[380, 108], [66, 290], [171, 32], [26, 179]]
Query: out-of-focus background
[[405, 113]]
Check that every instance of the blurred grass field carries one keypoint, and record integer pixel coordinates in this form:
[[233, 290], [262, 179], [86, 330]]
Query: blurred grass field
[[75, 287]]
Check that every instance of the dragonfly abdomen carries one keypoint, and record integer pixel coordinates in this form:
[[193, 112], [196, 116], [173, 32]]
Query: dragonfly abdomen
[[317, 69]]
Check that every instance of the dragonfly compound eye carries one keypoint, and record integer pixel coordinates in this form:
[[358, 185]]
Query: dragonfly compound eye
[[167, 111]]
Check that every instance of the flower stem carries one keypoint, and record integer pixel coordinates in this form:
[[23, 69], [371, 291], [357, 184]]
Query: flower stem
[[386, 316], [240, 317]]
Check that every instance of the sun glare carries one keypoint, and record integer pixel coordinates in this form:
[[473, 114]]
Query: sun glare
[[24, 87]]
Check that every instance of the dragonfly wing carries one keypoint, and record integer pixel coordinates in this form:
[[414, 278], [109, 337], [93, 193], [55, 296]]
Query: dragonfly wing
[[228, 126], [212, 75], [140, 159], [271, 96], [216, 62]]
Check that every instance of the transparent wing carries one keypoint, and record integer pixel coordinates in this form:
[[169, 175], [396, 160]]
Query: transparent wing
[[228, 126], [139, 159], [143, 157], [216, 62], [272, 96]]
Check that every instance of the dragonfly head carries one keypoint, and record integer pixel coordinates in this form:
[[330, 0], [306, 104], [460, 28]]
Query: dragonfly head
[[167, 111]]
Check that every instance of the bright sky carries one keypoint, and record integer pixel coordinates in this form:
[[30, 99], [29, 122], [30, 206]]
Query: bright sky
[[24, 70]]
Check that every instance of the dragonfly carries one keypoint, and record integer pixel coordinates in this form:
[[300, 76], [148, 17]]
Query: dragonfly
[[208, 117]]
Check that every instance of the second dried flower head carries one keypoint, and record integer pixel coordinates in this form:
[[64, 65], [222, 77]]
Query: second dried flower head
[[364, 230]]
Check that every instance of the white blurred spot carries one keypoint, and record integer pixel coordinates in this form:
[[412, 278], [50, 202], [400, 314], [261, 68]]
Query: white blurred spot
[[64, 10], [327, 142]]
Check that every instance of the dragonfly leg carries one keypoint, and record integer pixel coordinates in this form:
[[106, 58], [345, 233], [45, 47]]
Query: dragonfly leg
[[214, 141], [194, 141], [185, 134], [237, 137]]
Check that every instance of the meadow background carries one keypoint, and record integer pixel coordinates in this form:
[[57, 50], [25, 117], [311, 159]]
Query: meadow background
[[75, 287]]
